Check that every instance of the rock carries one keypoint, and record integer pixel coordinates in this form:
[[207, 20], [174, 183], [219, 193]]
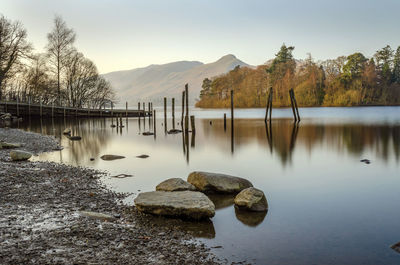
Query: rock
[[75, 138], [9, 145], [17, 155], [252, 199], [91, 159], [147, 133], [111, 157], [174, 131], [222, 200], [366, 161], [142, 156], [189, 204], [217, 183], [396, 247], [121, 176], [175, 184], [6, 116], [113, 126], [67, 131], [99, 216]]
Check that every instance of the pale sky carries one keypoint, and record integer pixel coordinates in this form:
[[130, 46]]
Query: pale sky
[[119, 35]]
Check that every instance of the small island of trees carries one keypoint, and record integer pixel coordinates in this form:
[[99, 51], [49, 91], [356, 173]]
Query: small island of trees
[[353, 80]]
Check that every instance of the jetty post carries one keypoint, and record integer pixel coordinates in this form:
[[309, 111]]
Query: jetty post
[[173, 113], [154, 123], [192, 124], [126, 109], [165, 114], [295, 105], [183, 106], [144, 110], [187, 108], [224, 121], [292, 104]]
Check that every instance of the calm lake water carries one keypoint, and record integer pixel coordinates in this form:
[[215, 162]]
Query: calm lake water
[[325, 206]]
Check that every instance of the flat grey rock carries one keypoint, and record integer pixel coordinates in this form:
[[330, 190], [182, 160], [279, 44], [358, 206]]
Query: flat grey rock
[[217, 183], [111, 157], [99, 216], [188, 204]]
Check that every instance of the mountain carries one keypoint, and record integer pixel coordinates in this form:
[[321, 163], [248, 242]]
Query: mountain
[[154, 82]]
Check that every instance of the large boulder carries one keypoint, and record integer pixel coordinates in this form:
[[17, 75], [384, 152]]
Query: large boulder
[[188, 204], [17, 155], [111, 157], [217, 183], [175, 184], [252, 199]]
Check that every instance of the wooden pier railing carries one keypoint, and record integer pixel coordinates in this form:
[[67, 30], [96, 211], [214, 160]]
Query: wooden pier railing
[[40, 110]]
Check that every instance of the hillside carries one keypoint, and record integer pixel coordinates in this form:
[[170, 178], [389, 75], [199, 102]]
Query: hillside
[[154, 82]]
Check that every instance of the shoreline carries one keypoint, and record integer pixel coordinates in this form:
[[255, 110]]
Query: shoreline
[[43, 219]]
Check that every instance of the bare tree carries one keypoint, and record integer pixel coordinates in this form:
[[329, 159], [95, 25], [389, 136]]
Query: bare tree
[[13, 48], [59, 48]]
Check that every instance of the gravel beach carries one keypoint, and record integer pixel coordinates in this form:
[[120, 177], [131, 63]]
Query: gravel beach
[[44, 219]]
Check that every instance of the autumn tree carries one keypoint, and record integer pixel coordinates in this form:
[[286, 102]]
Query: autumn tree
[[59, 48], [13, 48]]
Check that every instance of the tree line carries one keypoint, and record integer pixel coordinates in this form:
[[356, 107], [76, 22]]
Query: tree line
[[353, 80], [61, 76]]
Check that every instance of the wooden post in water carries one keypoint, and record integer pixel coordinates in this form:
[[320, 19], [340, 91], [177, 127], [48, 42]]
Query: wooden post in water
[[154, 122], [267, 108], [126, 107], [41, 108], [52, 109], [138, 107], [183, 106], [192, 124], [112, 109], [17, 106], [149, 107], [292, 104], [173, 113], [165, 114], [295, 105], [117, 121], [232, 116], [187, 108], [120, 120], [270, 103], [224, 121], [64, 112]]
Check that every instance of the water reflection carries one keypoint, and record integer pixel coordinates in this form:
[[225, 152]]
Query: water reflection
[[248, 218]]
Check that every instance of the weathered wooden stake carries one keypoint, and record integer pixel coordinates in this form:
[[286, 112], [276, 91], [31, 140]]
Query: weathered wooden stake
[[41, 108], [232, 115], [29, 106], [165, 114], [173, 113], [295, 105], [292, 104], [154, 122], [267, 108], [52, 109], [270, 104], [183, 106], [112, 108], [224, 121], [192, 124], [117, 121], [187, 108], [144, 110], [120, 120], [126, 107]]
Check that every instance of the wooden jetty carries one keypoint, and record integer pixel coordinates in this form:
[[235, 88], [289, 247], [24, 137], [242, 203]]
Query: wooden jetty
[[40, 110]]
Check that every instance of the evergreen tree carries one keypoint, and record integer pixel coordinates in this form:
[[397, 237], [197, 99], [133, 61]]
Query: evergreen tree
[[396, 66]]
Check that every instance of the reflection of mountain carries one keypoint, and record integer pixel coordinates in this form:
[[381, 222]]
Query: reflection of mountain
[[283, 137], [93, 132]]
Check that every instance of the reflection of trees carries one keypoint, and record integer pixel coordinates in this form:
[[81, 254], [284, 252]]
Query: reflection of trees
[[283, 137], [94, 135]]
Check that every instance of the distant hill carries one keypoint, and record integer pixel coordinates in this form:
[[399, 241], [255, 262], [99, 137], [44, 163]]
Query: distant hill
[[154, 82]]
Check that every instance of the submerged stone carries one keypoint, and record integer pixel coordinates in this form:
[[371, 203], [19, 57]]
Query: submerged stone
[[67, 131], [75, 138], [143, 156], [217, 183], [188, 204], [252, 199], [17, 155], [175, 184], [111, 157], [396, 247]]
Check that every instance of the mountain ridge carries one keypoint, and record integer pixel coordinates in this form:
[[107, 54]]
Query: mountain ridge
[[156, 81]]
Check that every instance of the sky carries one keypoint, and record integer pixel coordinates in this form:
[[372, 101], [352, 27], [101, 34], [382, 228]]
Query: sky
[[120, 35]]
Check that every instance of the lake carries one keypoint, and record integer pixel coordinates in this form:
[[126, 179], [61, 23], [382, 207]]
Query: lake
[[325, 206]]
